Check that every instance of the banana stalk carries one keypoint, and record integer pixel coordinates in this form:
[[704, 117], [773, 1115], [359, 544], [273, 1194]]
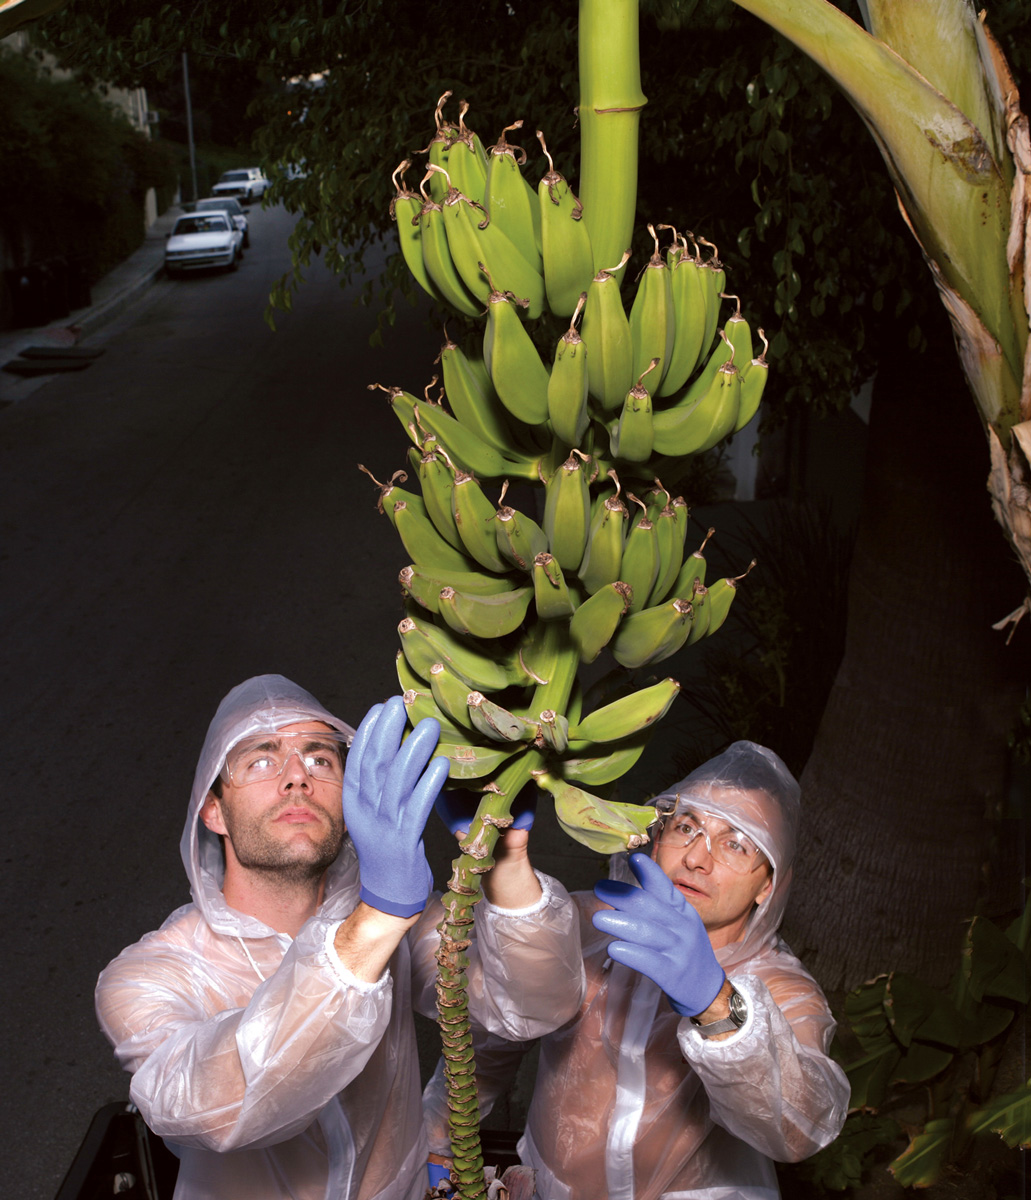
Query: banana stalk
[[610, 112]]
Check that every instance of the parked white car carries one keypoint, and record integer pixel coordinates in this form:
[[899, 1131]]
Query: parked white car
[[201, 240], [230, 205], [245, 183]]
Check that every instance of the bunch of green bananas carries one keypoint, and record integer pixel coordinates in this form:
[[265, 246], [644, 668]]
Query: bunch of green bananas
[[503, 606]]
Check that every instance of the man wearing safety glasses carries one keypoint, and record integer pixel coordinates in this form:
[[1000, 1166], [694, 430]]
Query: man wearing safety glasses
[[268, 1025], [699, 1055]]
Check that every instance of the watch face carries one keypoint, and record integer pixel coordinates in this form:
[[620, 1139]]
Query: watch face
[[738, 1007]]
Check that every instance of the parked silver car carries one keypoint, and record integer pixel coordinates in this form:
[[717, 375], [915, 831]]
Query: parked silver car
[[245, 183], [227, 204], [201, 240]]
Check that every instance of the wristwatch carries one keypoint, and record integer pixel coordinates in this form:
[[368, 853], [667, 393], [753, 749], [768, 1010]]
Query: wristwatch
[[738, 1016]]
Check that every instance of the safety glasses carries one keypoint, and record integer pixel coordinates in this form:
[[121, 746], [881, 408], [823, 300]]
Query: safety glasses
[[726, 844], [264, 756]]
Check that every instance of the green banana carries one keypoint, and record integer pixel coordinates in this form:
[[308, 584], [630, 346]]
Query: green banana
[[402, 405], [439, 264], [551, 592], [640, 564], [595, 770], [702, 613], [472, 397], [467, 160], [510, 201], [693, 428], [627, 715], [486, 258], [565, 242], [450, 694], [474, 517], [422, 542], [424, 583], [485, 616], [554, 730], [716, 281], [404, 209], [753, 381], [437, 482], [472, 761], [425, 643], [407, 678], [567, 385], [652, 634], [738, 332], [693, 298], [631, 438], [721, 596], [603, 553], [693, 571], [595, 621], [606, 334], [497, 724], [420, 704], [602, 825], [520, 539], [567, 511], [670, 532], [520, 377], [437, 150], [468, 450], [652, 325]]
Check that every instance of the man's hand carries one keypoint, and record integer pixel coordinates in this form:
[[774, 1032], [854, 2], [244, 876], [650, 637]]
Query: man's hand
[[660, 935], [511, 882], [387, 796]]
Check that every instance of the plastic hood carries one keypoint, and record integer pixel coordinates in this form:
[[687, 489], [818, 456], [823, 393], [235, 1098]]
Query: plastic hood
[[258, 705], [751, 788]]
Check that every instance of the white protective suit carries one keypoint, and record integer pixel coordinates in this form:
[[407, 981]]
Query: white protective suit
[[268, 1067], [630, 1101]]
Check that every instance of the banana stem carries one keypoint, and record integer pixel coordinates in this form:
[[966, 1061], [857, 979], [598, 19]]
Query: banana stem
[[610, 110], [464, 890]]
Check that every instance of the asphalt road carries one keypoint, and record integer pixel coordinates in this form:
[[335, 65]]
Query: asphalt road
[[183, 514]]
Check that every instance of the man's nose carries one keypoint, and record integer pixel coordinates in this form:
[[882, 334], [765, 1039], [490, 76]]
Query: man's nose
[[697, 854], [295, 775]]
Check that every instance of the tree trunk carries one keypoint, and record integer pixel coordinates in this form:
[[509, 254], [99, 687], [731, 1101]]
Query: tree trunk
[[910, 763]]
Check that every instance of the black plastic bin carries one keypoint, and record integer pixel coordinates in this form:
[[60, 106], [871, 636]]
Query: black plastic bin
[[119, 1156]]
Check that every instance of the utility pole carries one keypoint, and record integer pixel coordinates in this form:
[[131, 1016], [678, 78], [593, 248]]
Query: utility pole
[[189, 123]]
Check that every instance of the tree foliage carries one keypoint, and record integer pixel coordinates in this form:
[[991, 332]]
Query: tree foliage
[[771, 163]]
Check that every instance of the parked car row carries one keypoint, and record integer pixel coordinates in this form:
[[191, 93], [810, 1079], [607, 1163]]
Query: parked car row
[[216, 230]]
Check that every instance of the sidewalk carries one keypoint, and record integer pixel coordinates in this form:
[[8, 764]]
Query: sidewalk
[[110, 296]]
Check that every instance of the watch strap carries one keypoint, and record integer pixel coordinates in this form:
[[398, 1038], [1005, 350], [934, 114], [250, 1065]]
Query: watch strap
[[729, 1024]]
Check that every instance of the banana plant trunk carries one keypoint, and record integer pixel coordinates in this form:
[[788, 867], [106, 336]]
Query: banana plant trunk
[[936, 93]]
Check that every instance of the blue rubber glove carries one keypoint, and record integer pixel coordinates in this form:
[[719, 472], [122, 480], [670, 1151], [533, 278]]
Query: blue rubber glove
[[660, 935], [457, 808], [387, 796], [437, 1173]]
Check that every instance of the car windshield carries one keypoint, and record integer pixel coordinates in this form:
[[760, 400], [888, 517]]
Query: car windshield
[[234, 176], [214, 223], [230, 206]]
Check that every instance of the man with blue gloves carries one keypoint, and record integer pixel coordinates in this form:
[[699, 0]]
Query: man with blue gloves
[[268, 1025], [699, 1056]]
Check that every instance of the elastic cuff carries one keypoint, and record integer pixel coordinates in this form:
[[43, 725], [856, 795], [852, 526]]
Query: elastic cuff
[[437, 1173], [346, 977], [531, 910], [394, 907]]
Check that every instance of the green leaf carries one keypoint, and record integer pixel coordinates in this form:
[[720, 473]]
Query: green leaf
[[1008, 1115], [871, 1075], [926, 1156], [992, 964], [922, 1062], [918, 1011]]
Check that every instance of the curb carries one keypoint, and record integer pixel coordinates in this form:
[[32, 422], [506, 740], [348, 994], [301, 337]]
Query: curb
[[97, 315]]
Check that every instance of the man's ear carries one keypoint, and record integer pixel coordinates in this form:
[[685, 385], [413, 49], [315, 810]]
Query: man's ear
[[211, 814], [764, 892]]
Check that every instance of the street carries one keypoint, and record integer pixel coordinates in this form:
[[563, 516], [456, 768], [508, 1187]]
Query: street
[[183, 514]]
